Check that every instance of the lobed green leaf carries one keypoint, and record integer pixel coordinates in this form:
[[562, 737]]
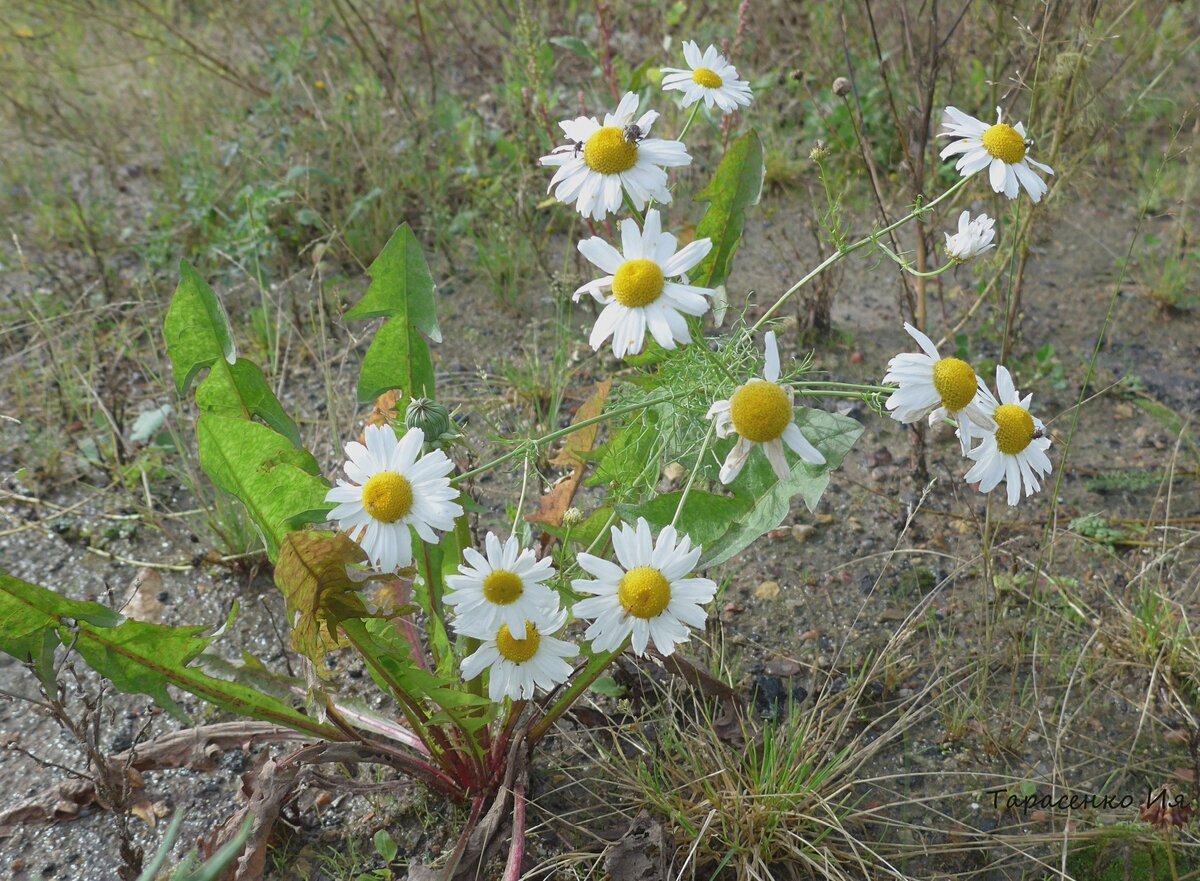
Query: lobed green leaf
[[769, 499], [137, 657], [401, 290]]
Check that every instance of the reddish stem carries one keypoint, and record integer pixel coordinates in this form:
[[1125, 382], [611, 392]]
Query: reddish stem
[[516, 851]]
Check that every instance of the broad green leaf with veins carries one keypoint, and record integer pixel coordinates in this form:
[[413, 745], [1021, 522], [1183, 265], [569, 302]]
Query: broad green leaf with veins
[[736, 186], [278, 484]]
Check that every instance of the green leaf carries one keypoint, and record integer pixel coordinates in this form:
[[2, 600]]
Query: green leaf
[[241, 390], [736, 186], [278, 484], [576, 45], [29, 618], [401, 290], [137, 657], [768, 499], [196, 329], [705, 517], [312, 574]]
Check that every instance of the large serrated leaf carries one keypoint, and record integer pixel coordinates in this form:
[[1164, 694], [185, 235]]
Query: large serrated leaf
[[137, 657], [769, 499], [241, 390], [736, 186], [401, 290], [278, 484], [196, 328]]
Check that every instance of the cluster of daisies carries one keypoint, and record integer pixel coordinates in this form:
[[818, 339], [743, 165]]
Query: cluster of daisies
[[996, 432], [1003, 440], [500, 597], [646, 596], [603, 165]]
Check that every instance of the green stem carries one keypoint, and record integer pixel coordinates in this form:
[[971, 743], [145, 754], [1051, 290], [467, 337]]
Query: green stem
[[712, 428], [590, 674], [687, 125], [850, 249], [534, 443], [907, 267]]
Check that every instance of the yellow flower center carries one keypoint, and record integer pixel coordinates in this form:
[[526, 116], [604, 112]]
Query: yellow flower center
[[387, 496], [1004, 143], [517, 650], [955, 381], [1014, 428], [608, 152], [502, 587], [638, 283], [760, 411], [644, 592], [702, 76]]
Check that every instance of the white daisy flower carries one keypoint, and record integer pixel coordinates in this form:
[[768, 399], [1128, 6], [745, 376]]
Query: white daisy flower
[[1014, 449], [392, 488], [760, 413], [648, 595], [710, 77], [602, 161], [518, 665], [973, 238], [1003, 147], [939, 388], [503, 588], [636, 293]]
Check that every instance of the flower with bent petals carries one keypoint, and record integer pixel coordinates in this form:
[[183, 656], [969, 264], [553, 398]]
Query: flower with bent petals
[[939, 388], [1013, 450], [1001, 148], [760, 412]]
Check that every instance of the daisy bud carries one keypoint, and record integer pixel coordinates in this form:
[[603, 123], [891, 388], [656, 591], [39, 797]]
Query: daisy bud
[[841, 87], [432, 418]]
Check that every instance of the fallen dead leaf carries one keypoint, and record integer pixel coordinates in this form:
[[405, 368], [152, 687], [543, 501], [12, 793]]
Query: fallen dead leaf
[[554, 504]]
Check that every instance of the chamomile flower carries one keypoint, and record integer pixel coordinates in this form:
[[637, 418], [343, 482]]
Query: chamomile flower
[[503, 588], [973, 238], [648, 595], [517, 666], [939, 388], [1014, 449], [1001, 148], [710, 77], [760, 413], [602, 161], [637, 293], [393, 487]]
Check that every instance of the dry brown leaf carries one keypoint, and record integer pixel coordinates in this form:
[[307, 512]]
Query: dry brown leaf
[[554, 504], [385, 412]]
